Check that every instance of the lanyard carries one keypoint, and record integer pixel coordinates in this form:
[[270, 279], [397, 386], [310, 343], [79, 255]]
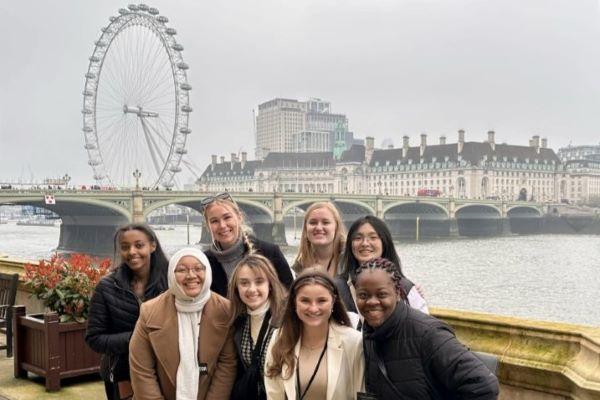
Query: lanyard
[[310, 381]]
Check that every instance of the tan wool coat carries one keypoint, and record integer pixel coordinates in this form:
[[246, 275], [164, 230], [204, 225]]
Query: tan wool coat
[[154, 350]]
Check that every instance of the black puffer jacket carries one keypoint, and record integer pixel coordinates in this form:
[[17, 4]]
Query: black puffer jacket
[[114, 310], [419, 352], [269, 250]]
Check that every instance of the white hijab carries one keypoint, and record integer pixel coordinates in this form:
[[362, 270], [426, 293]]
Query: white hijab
[[189, 314]]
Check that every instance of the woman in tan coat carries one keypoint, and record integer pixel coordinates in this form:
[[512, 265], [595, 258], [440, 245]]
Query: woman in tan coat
[[182, 347]]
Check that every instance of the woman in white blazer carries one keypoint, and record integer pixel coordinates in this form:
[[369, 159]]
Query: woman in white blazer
[[316, 354]]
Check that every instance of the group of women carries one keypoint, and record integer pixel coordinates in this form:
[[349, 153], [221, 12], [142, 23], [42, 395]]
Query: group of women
[[235, 322]]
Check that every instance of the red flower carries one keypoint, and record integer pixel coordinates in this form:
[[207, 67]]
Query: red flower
[[65, 285]]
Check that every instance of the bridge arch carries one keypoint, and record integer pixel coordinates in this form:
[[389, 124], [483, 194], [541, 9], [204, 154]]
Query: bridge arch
[[405, 217], [304, 204], [88, 225], [477, 208], [194, 203], [258, 216], [525, 219], [478, 220]]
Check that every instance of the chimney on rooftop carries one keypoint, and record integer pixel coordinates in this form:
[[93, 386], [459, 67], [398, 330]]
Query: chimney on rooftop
[[423, 144], [244, 159], [461, 141], [222, 159], [369, 148], [544, 143], [405, 145], [213, 161], [442, 139], [535, 143], [491, 140]]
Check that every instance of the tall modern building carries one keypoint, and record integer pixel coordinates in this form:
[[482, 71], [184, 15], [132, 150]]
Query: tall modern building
[[288, 125]]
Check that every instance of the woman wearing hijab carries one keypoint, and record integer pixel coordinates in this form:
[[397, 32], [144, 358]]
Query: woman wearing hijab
[[182, 346]]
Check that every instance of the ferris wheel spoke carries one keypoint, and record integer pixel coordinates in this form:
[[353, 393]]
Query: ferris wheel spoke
[[155, 79]]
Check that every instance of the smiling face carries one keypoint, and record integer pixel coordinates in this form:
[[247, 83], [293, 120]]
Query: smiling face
[[224, 222], [320, 227], [376, 296], [253, 287], [190, 274], [135, 249], [314, 303], [366, 243]]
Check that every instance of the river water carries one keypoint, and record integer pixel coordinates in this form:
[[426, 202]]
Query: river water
[[545, 277]]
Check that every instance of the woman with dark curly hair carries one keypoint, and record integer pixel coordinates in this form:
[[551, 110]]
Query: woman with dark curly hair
[[409, 354]]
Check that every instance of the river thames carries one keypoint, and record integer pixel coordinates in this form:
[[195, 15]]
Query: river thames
[[545, 277]]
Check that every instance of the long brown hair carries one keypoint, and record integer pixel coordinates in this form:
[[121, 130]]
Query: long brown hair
[[306, 252], [291, 326], [258, 264], [244, 230]]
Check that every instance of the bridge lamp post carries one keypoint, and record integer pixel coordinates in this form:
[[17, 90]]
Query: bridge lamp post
[[66, 179], [137, 175]]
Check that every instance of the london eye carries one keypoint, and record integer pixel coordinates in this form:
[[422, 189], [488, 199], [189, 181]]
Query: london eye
[[136, 101]]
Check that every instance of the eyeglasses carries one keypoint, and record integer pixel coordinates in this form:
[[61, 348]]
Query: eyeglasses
[[205, 202], [197, 270], [369, 238]]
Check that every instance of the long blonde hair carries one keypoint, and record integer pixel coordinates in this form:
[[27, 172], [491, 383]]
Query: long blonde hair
[[277, 293], [244, 230], [306, 252]]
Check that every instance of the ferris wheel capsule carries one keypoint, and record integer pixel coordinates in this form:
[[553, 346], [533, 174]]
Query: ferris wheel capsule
[[143, 7], [162, 19], [153, 11]]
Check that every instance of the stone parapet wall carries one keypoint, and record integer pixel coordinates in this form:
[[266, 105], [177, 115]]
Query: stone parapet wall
[[538, 360]]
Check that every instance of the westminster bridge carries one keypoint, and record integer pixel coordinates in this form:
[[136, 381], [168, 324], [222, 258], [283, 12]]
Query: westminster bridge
[[89, 217]]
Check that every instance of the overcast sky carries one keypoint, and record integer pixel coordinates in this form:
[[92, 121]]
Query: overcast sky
[[520, 67]]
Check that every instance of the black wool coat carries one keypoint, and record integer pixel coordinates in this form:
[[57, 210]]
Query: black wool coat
[[114, 310], [269, 250], [420, 351]]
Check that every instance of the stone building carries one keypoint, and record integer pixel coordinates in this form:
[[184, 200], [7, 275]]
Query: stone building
[[464, 169]]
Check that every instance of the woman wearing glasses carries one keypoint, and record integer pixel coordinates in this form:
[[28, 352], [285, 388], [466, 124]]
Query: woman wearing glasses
[[182, 346], [368, 238], [231, 241]]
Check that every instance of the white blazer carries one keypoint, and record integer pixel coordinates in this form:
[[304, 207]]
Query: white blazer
[[345, 366]]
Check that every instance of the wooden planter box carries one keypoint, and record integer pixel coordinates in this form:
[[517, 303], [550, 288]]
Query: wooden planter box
[[51, 349]]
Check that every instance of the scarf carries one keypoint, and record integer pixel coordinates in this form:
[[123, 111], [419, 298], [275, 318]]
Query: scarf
[[189, 314], [229, 257]]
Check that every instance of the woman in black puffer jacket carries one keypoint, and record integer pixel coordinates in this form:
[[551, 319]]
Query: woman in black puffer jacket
[[115, 305], [409, 354]]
